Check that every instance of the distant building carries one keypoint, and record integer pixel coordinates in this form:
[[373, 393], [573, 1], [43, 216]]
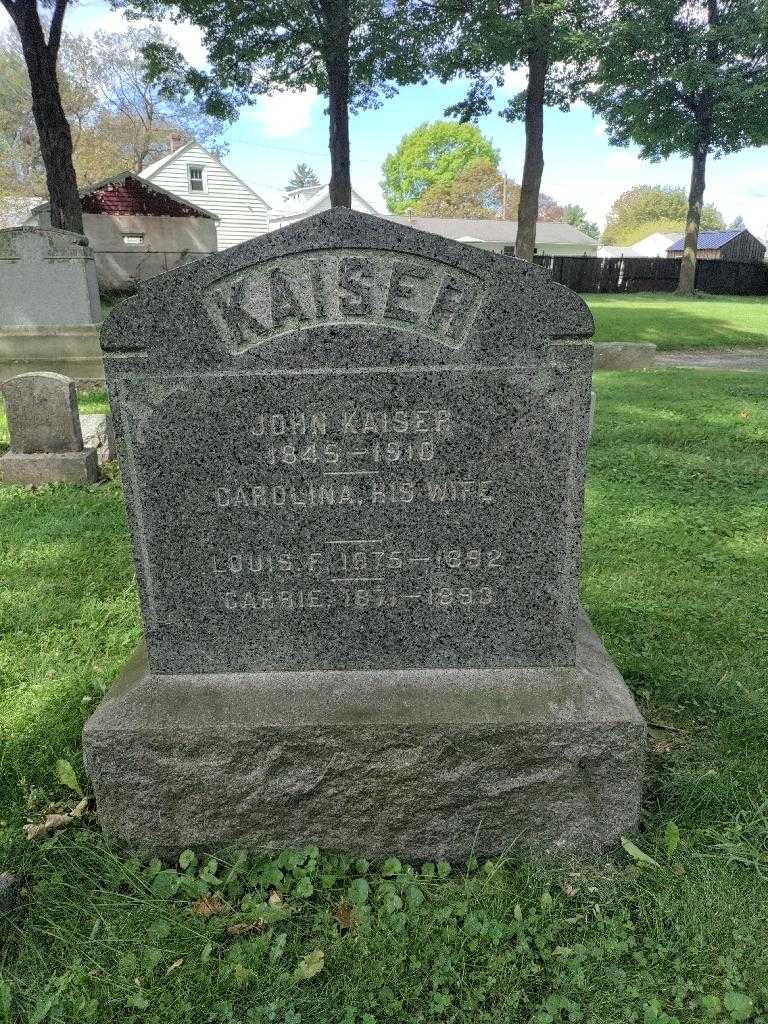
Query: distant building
[[655, 245], [138, 230], [299, 203], [197, 176], [731, 244], [552, 237], [617, 250]]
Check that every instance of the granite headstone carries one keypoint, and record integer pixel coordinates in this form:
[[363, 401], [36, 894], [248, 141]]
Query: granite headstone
[[353, 456], [46, 439]]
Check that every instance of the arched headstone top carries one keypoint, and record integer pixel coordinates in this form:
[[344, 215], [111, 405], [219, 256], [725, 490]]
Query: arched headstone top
[[346, 288]]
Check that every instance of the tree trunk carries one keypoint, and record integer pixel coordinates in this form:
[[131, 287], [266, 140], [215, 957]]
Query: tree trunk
[[686, 284], [337, 64], [687, 281], [528, 208], [51, 122]]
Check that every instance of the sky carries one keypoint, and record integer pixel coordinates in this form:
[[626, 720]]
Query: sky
[[270, 138]]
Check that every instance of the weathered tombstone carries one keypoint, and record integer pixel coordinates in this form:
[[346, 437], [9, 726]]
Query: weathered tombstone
[[49, 304], [46, 440], [353, 457]]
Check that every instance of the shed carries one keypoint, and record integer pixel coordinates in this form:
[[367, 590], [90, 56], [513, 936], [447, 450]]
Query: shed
[[138, 230], [731, 244]]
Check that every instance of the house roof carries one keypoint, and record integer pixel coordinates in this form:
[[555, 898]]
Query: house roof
[[709, 239], [503, 232], [302, 202], [130, 176], [151, 169]]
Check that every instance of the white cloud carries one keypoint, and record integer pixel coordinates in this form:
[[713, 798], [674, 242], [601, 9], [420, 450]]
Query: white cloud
[[284, 113]]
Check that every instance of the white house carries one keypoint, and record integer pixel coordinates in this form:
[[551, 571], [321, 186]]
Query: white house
[[655, 245], [552, 238], [305, 202], [192, 173], [617, 250]]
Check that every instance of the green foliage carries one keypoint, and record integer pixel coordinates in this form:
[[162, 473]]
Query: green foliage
[[645, 209], [668, 81], [303, 177], [577, 216], [277, 44], [432, 156], [494, 37]]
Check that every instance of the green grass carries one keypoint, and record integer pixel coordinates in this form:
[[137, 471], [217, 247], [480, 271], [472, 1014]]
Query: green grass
[[676, 558], [672, 323]]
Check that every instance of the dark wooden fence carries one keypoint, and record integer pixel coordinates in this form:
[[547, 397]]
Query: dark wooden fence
[[635, 274]]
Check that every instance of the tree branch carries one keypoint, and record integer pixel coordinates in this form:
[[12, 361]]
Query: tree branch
[[54, 36]]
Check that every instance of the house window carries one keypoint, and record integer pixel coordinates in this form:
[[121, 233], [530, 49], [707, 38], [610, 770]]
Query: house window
[[196, 180], [133, 239]]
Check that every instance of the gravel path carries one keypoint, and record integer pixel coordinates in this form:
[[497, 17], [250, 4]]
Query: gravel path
[[751, 359]]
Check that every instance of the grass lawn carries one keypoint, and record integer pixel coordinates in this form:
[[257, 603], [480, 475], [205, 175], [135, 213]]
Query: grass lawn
[[672, 323], [676, 559]]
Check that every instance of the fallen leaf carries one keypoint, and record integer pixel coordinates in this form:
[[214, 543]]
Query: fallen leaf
[[66, 775], [208, 906], [637, 854], [275, 898], [310, 965], [53, 821], [569, 890], [175, 965], [345, 915], [247, 928]]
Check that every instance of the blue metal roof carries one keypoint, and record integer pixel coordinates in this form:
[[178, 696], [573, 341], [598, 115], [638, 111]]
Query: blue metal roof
[[708, 239]]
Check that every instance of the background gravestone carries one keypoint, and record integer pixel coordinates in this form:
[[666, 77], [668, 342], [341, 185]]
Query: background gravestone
[[353, 456], [49, 304], [46, 440]]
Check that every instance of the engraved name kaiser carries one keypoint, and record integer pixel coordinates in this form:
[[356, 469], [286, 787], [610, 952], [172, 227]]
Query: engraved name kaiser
[[305, 290]]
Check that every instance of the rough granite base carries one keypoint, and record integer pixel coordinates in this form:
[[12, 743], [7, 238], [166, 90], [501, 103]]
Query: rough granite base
[[50, 468], [419, 763]]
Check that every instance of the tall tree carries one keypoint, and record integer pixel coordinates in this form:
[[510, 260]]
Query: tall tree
[[577, 217], [134, 115], [303, 177], [550, 39], [689, 77], [117, 120], [352, 51], [738, 223], [430, 156], [641, 210], [41, 54]]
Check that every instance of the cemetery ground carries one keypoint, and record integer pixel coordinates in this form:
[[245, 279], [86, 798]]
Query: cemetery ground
[[670, 929], [674, 324]]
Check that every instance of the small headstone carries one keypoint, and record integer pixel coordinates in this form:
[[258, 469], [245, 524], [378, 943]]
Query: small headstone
[[354, 460], [46, 440]]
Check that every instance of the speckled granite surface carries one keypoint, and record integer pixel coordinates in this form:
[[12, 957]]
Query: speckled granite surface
[[354, 457], [421, 763], [350, 445]]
